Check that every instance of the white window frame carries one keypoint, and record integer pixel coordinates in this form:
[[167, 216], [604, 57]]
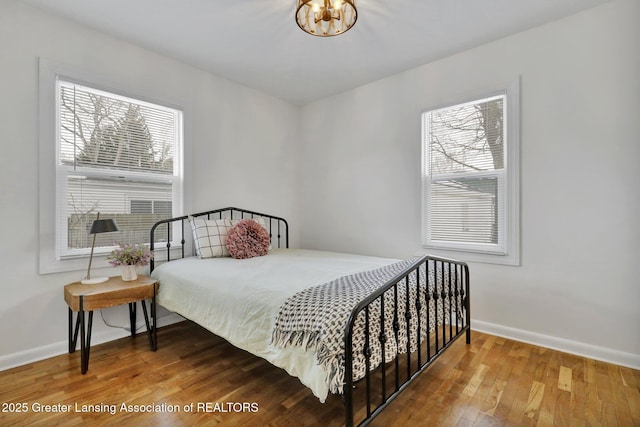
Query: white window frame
[[507, 249], [51, 191]]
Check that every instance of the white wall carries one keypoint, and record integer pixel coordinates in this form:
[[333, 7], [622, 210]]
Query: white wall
[[578, 286], [240, 151]]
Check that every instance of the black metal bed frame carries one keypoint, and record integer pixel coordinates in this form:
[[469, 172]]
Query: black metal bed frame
[[448, 284]]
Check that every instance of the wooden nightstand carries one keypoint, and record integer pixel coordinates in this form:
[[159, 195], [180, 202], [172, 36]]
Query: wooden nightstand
[[87, 298]]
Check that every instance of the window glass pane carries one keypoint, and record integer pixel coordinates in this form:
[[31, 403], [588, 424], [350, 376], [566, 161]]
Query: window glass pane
[[97, 130], [113, 199], [141, 206], [465, 210], [162, 207], [466, 137]]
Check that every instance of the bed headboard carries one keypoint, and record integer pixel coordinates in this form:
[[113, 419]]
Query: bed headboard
[[177, 238]]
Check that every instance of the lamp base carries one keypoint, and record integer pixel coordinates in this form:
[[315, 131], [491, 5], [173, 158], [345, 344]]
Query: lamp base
[[94, 280]]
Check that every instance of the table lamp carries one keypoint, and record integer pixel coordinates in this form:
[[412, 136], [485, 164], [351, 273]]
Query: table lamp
[[98, 226]]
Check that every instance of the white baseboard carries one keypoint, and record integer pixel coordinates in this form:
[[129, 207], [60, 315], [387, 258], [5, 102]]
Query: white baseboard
[[604, 354], [40, 353]]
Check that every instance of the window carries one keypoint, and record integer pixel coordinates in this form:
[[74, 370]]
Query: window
[[150, 206], [117, 156], [470, 198]]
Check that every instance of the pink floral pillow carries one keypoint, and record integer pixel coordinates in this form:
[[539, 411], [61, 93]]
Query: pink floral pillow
[[247, 239]]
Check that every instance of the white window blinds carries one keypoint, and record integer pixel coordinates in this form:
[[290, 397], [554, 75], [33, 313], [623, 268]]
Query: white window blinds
[[114, 155], [464, 176]]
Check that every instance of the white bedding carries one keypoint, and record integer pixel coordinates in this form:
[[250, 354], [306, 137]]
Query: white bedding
[[239, 299]]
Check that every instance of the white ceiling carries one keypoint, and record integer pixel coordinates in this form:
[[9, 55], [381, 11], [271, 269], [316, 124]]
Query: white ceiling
[[258, 44]]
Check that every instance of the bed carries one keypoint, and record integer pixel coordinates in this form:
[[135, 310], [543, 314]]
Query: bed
[[360, 327]]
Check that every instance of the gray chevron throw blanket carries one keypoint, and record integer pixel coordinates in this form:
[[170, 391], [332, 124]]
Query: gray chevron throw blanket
[[315, 319]]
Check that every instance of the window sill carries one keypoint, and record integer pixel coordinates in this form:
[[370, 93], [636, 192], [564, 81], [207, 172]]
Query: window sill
[[49, 265], [512, 259]]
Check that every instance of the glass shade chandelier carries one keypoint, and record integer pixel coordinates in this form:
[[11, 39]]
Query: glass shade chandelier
[[326, 18]]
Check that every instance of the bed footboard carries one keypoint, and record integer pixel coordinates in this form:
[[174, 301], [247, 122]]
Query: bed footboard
[[428, 308]]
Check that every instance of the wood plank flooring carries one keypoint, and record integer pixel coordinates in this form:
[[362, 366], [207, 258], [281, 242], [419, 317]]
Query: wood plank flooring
[[196, 378]]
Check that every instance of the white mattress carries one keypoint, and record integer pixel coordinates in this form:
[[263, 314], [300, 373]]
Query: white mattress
[[239, 300]]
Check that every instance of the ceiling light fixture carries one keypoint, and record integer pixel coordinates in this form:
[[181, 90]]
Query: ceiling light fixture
[[326, 18]]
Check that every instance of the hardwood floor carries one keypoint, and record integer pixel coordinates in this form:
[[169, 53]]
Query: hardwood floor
[[196, 378]]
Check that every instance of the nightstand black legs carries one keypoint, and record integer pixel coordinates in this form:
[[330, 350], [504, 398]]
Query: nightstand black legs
[[85, 336], [151, 329], [82, 331], [132, 318]]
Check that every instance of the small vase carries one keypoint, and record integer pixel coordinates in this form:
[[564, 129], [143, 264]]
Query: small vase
[[128, 272]]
